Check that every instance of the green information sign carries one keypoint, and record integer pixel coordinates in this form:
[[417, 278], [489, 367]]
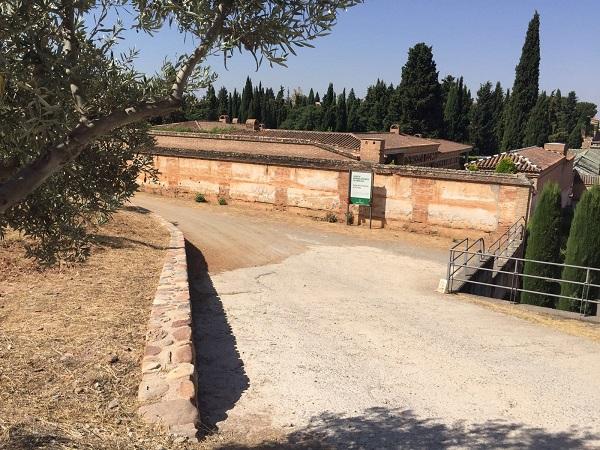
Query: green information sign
[[361, 188]]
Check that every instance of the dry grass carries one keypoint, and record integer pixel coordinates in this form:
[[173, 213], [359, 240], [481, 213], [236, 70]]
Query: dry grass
[[570, 326], [71, 342]]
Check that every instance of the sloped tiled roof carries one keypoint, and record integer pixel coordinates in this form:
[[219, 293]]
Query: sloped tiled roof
[[528, 160], [587, 161], [343, 140], [396, 141], [451, 146]]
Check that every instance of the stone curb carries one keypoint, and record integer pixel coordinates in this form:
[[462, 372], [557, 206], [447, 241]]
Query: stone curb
[[167, 392]]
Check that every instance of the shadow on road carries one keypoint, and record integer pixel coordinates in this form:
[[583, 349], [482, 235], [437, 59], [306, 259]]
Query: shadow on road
[[396, 429], [221, 375]]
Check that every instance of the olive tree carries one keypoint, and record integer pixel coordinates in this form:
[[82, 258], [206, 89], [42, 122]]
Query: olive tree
[[73, 110]]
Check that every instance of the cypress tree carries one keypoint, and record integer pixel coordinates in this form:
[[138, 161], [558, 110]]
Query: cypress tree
[[317, 98], [453, 110], [222, 101], [235, 104], [583, 249], [575, 139], [329, 110], [230, 106], [537, 132], [341, 119], [543, 244], [281, 110], [555, 113], [570, 111], [311, 97], [212, 104], [246, 100], [483, 129], [353, 112], [446, 85], [525, 89], [420, 93], [503, 108], [374, 109]]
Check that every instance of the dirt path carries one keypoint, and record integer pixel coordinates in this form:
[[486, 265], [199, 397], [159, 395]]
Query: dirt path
[[322, 337]]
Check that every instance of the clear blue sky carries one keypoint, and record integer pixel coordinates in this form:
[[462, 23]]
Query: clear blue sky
[[479, 39]]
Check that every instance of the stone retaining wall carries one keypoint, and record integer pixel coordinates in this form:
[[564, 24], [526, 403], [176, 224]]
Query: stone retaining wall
[[167, 392]]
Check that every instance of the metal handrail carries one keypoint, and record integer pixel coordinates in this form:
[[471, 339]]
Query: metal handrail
[[517, 228], [454, 267]]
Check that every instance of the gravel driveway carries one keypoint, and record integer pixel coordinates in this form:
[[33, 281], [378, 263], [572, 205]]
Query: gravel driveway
[[310, 335]]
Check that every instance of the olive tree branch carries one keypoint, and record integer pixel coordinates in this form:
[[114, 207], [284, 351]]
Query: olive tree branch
[[56, 156]]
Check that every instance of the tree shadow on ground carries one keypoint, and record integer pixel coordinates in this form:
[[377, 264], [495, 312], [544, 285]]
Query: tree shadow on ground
[[26, 438], [221, 375], [105, 240], [382, 428]]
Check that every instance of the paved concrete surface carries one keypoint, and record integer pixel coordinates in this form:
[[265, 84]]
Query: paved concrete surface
[[311, 335]]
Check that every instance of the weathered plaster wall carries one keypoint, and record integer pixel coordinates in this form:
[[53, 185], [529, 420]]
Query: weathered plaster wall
[[425, 199]]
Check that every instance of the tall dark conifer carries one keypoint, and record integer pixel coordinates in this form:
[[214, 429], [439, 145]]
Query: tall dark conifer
[[525, 88], [543, 244], [222, 101], [537, 131], [353, 112], [483, 129], [341, 119], [246, 100], [420, 93]]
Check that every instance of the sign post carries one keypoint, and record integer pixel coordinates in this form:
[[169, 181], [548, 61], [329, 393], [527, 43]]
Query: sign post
[[360, 191]]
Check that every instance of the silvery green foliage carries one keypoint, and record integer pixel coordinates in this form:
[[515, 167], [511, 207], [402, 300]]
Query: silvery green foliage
[[61, 76]]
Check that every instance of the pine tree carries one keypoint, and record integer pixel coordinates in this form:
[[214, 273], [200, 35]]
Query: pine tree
[[483, 129], [583, 249], [420, 93], [341, 122], [525, 89], [537, 132], [543, 244]]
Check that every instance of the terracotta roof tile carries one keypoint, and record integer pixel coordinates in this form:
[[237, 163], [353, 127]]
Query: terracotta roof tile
[[451, 146], [530, 159]]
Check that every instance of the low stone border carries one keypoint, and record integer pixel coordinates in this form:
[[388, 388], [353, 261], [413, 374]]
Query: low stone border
[[168, 389]]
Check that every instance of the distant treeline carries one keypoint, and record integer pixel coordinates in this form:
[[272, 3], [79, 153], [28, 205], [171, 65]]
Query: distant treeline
[[495, 120]]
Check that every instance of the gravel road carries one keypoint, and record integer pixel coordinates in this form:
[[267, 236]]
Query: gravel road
[[313, 335]]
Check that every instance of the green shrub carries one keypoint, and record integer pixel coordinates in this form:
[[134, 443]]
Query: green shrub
[[222, 201], [506, 165], [200, 198], [472, 167], [331, 217], [583, 249], [543, 244]]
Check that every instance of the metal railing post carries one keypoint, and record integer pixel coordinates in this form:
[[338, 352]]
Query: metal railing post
[[450, 275], [584, 293]]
